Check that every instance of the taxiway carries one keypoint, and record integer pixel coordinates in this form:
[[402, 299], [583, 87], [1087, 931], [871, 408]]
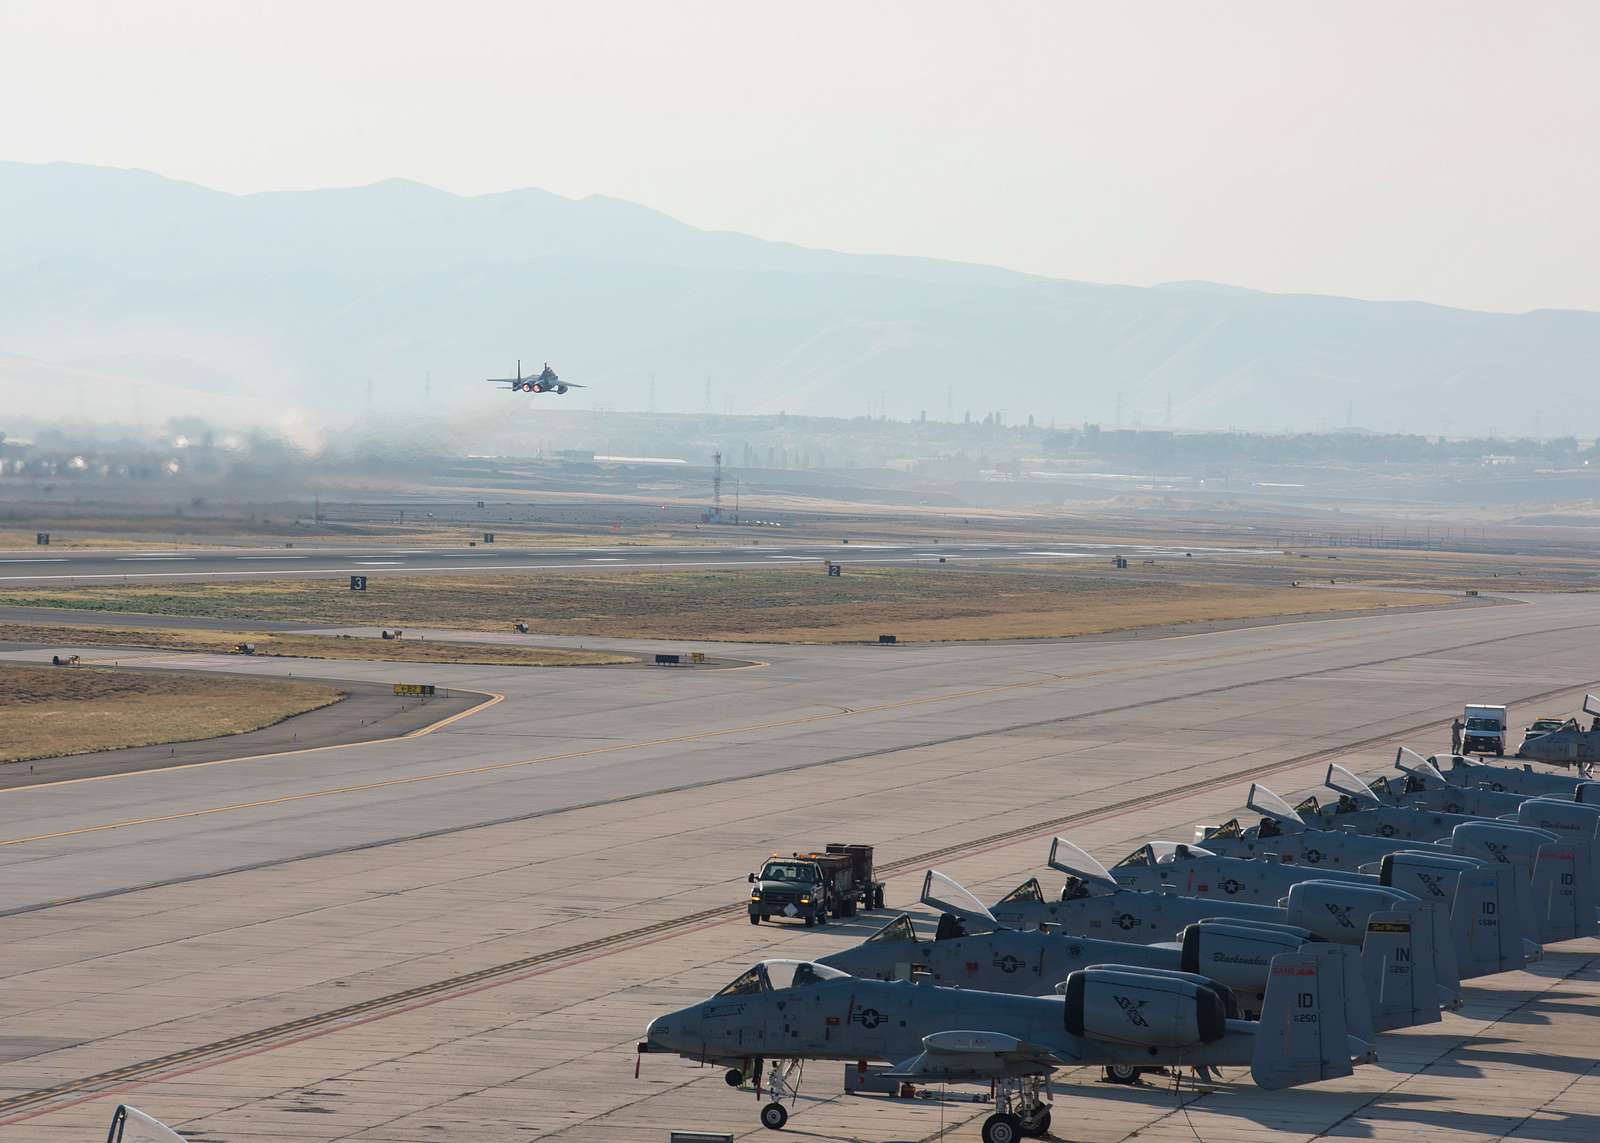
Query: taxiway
[[462, 935]]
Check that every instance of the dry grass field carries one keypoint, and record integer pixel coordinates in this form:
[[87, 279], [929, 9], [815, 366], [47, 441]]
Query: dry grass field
[[47, 712], [292, 645], [779, 605]]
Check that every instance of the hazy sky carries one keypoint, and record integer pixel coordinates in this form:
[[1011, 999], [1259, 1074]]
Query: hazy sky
[[1444, 151]]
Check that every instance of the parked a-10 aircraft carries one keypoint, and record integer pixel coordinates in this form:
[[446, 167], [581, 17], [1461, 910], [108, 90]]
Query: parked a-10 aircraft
[[784, 1012], [546, 381], [974, 951]]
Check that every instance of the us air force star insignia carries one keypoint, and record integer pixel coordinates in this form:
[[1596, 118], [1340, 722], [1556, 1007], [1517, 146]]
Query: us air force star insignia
[[1127, 921], [1313, 855], [1009, 963], [1230, 886], [869, 1017]]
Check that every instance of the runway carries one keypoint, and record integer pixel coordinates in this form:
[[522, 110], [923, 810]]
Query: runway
[[34, 567], [462, 935]]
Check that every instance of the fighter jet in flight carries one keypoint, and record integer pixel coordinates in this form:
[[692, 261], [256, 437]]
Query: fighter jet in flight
[[784, 1012], [547, 381]]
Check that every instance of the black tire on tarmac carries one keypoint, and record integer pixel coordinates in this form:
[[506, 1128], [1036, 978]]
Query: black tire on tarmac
[[1002, 1128], [774, 1116]]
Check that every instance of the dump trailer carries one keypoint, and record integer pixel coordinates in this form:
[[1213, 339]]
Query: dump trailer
[[863, 892]]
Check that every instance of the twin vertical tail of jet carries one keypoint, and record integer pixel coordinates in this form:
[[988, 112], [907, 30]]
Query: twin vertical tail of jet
[[1305, 1034]]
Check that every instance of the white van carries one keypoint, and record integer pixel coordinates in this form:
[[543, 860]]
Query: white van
[[1485, 731]]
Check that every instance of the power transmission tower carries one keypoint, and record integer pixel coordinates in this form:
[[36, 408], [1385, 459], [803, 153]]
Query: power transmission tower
[[716, 487]]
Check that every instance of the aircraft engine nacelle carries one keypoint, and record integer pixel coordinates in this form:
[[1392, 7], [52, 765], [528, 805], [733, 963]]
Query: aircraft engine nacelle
[[1150, 1009], [1586, 792], [1500, 841], [1430, 876], [1569, 819], [1338, 910], [1239, 956]]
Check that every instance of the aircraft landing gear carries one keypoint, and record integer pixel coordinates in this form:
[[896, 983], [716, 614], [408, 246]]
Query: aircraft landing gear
[[1122, 1073], [783, 1082], [1019, 1112], [1002, 1128]]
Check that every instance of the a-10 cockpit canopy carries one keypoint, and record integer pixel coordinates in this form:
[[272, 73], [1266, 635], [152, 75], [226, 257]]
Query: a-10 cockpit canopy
[[1414, 765], [1074, 862], [1161, 853], [1273, 808], [777, 975], [950, 896], [899, 929], [1347, 785]]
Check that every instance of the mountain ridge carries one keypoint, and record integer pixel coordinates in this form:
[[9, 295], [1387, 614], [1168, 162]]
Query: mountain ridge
[[311, 294]]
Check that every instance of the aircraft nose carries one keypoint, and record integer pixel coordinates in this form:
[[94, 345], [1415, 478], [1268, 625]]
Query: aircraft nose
[[665, 1031]]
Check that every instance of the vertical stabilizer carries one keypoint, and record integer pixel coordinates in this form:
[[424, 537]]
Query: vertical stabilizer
[[1398, 957], [1303, 1036]]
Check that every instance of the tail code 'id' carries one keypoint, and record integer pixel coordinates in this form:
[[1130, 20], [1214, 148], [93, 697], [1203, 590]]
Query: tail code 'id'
[[1304, 1035]]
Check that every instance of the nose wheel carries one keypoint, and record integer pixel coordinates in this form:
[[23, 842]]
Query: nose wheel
[[783, 1082]]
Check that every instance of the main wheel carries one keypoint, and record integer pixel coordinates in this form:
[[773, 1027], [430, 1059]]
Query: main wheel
[[1002, 1128], [755, 918], [733, 1078], [1037, 1126], [773, 1117], [1121, 1073], [810, 920], [877, 897]]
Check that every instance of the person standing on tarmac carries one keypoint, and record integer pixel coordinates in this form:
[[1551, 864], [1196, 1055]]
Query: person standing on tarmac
[[1455, 736]]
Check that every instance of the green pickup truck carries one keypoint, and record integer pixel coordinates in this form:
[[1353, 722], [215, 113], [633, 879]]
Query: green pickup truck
[[812, 887]]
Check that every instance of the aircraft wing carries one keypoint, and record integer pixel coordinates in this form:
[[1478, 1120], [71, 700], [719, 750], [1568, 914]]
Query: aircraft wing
[[972, 1055]]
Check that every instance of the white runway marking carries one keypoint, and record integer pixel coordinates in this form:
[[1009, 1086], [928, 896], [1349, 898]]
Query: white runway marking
[[606, 560], [150, 559], [271, 557], [379, 563], [46, 560]]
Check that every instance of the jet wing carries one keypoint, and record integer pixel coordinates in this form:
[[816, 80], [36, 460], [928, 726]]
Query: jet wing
[[973, 1055]]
